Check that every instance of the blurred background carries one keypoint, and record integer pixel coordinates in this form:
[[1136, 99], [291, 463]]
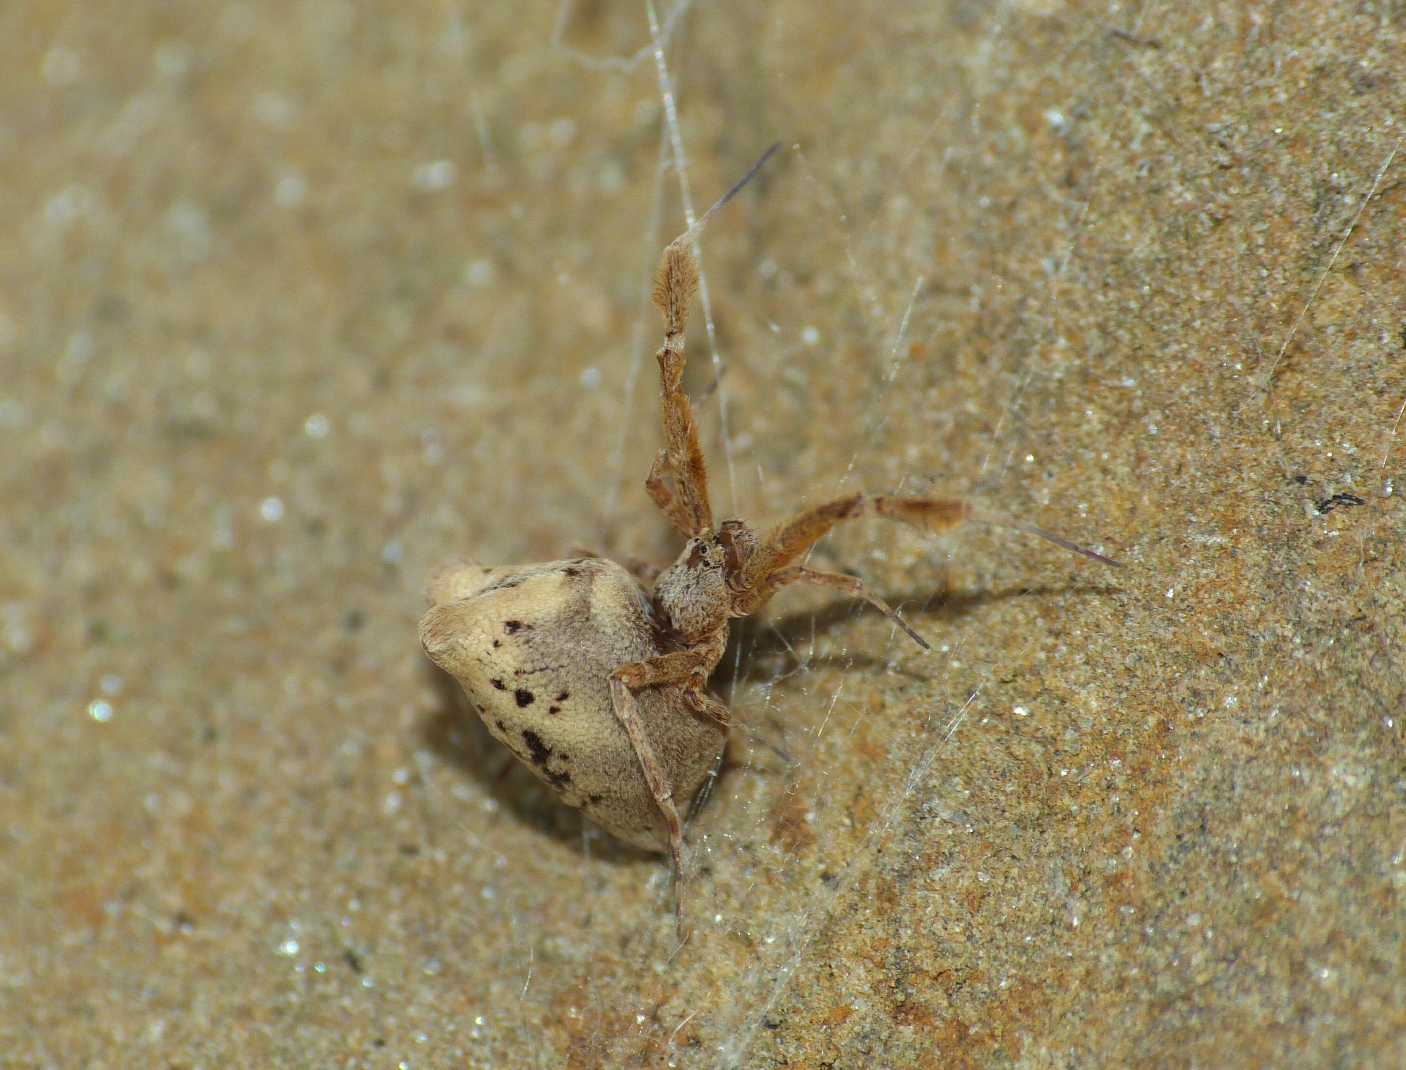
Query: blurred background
[[299, 300]]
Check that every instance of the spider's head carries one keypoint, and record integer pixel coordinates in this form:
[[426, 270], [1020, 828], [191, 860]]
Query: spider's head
[[695, 592]]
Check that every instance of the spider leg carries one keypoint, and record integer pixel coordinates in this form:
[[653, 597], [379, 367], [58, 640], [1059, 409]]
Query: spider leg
[[675, 283], [627, 713], [709, 707], [850, 585], [663, 497], [688, 669], [690, 666], [788, 541], [937, 515]]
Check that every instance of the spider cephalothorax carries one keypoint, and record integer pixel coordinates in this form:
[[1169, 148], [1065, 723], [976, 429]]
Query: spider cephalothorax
[[701, 590]]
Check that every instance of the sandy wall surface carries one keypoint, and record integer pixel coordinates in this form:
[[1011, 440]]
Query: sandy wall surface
[[297, 301]]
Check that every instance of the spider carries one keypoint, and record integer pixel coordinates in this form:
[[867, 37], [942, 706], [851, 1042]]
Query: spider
[[596, 675]]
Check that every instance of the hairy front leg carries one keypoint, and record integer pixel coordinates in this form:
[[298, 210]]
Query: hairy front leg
[[657, 487], [675, 283], [790, 540]]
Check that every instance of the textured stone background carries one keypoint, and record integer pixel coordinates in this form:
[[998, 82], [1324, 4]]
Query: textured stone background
[[297, 300]]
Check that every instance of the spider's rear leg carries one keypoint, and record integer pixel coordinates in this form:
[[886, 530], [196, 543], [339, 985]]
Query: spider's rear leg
[[711, 708], [627, 713]]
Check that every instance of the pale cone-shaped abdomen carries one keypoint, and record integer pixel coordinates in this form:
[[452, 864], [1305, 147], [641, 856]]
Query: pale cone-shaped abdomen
[[533, 647]]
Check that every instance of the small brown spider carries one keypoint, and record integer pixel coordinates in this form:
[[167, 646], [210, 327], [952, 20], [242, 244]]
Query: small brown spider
[[596, 676]]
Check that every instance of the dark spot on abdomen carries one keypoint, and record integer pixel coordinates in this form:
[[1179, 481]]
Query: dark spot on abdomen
[[539, 750], [524, 697], [512, 627]]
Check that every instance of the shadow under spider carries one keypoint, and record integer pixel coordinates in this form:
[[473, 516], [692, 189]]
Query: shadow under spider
[[761, 640], [456, 735]]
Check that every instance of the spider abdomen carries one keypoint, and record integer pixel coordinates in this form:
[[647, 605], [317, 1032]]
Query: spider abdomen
[[533, 647]]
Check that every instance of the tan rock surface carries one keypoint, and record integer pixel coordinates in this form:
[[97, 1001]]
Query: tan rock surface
[[298, 300]]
